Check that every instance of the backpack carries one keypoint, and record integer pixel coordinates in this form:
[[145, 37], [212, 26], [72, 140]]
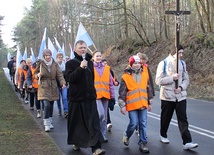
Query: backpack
[[164, 68]]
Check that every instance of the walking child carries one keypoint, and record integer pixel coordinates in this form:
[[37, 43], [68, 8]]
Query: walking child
[[133, 98]]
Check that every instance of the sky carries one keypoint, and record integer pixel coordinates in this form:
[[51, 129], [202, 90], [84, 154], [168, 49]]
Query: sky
[[13, 12]]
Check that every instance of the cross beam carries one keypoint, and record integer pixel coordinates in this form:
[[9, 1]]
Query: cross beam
[[177, 14]]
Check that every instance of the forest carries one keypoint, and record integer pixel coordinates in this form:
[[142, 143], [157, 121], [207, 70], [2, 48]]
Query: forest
[[123, 27], [110, 21]]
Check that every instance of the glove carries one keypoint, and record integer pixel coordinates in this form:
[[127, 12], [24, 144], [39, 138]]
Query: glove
[[111, 104]]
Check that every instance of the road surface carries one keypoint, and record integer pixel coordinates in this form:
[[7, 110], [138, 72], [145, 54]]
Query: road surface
[[200, 116]]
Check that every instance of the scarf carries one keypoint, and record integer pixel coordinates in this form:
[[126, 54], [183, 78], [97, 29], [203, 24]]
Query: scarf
[[48, 64]]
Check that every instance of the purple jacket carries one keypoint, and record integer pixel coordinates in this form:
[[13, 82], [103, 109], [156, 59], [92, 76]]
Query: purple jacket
[[100, 68]]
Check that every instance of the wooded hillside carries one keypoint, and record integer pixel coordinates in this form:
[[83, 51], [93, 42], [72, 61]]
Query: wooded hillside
[[198, 55]]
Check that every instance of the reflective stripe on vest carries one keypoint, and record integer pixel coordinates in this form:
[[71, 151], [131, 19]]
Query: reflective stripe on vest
[[137, 96], [34, 80], [102, 83]]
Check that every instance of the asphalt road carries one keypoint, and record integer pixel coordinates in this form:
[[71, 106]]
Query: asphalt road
[[200, 116]]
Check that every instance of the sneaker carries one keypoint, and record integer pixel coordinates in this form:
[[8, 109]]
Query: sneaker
[[109, 126], [143, 147], [26, 101], [125, 139], [66, 114], [164, 140], [99, 152], [189, 146], [60, 113], [31, 108], [76, 148], [38, 114]]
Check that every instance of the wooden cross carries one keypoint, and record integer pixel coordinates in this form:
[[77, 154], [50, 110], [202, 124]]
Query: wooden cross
[[177, 14]]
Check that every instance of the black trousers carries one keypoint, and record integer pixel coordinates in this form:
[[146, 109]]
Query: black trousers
[[167, 109], [33, 99]]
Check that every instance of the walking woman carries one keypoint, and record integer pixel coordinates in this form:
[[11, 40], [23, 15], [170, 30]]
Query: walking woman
[[103, 83], [48, 73]]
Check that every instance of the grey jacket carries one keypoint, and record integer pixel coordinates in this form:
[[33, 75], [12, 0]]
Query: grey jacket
[[166, 82]]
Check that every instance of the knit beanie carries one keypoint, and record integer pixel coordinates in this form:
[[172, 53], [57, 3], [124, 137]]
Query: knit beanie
[[179, 48], [47, 52], [133, 59]]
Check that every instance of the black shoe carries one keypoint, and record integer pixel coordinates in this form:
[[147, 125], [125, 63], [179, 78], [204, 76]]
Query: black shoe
[[105, 140], [66, 114]]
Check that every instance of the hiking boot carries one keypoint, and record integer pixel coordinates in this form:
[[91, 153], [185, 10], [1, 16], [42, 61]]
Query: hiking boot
[[66, 114], [99, 152], [76, 148], [189, 146], [164, 140], [125, 139], [109, 126], [60, 113], [38, 114], [143, 147]]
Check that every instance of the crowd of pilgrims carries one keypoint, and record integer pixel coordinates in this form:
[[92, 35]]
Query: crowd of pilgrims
[[83, 88]]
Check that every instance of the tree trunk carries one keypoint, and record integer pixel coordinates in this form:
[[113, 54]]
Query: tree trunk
[[126, 19], [200, 18]]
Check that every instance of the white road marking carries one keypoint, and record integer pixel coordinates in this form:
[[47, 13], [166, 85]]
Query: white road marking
[[192, 128]]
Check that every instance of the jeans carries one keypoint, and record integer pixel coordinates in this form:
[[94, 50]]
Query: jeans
[[138, 117], [167, 109], [63, 94], [48, 108]]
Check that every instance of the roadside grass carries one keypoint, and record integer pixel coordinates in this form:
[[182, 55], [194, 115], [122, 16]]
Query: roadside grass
[[19, 132]]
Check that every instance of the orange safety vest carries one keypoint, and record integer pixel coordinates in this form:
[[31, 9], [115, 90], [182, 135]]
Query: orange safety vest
[[102, 83], [20, 70], [25, 73], [137, 96], [34, 80]]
